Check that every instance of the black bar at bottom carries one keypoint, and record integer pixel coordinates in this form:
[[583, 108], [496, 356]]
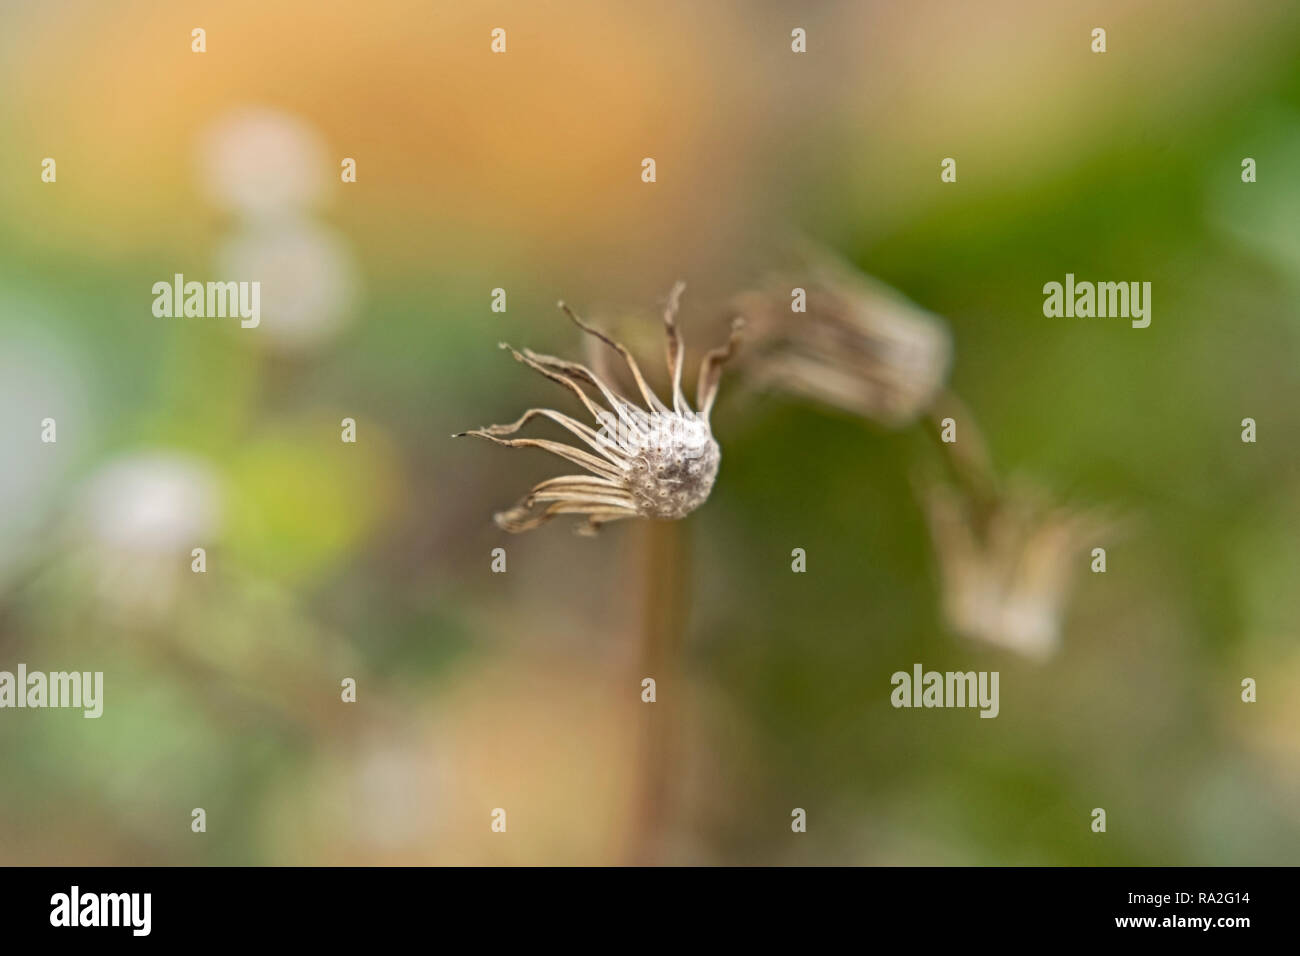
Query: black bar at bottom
[[306, 905]]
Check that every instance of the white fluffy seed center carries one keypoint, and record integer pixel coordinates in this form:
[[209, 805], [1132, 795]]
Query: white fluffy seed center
[[672, 475]]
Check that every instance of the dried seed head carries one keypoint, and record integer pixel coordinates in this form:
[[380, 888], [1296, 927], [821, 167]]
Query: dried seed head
[[1007, 575], [857, 346], [649, 462], [673, 474]]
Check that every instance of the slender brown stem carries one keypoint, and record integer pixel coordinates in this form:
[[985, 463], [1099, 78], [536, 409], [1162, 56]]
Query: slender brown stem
[[967, 458], [663, 615]]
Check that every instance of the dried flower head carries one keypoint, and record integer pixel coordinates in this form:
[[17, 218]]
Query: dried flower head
[[858, 345], [648, 462], [1007, 572]]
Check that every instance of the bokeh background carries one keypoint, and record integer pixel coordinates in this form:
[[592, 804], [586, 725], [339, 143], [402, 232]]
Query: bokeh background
[[522, 171]]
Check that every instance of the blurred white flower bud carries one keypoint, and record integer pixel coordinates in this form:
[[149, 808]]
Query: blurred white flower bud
[[262, 164]]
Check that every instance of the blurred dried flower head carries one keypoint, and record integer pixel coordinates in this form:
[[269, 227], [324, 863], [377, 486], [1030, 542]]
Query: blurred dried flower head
[[153, 503], [1007, 567], [310, 283], [139, 518], [648, 462], [263, 164], [859, 346]]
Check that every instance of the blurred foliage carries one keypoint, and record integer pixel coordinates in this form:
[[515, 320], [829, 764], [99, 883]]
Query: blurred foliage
[[520, 690]]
